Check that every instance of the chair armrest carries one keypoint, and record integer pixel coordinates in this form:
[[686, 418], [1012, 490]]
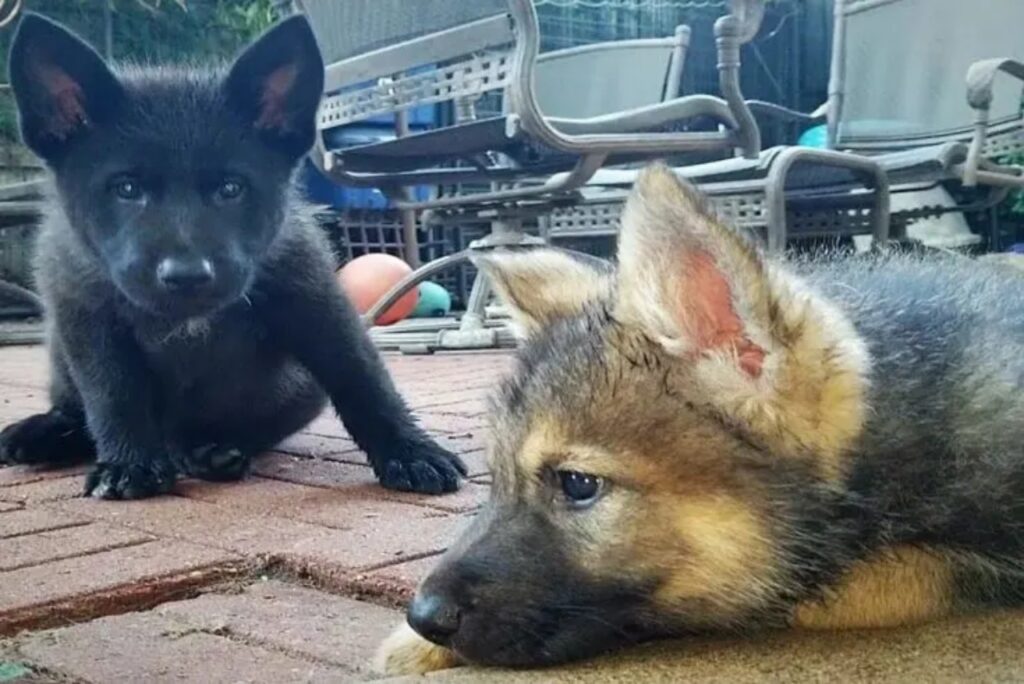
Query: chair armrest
[[981, 75], [650, 117], [980, 79], [780, 112], [16, 294], [528, 114]]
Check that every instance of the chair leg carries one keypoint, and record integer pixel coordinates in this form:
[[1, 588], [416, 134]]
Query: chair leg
[[476, 307]]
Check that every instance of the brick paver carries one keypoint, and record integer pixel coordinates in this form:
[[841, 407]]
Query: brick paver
[[311, 511], [16, 476], [43, 490], [294, 619], [401, 579], [26, 521], [145, 647], [67, 542], [62, 590]]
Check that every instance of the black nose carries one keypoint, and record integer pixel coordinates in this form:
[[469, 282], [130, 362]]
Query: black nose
[[434, 617], [184, 275]]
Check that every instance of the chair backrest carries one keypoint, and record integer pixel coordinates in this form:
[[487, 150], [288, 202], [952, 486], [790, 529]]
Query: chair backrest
[[384, 56], [899, 69], [592, 80], [349, 28]]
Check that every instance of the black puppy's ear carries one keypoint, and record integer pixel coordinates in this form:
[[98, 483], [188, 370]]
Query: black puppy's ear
[[62, 86], [276, 84]]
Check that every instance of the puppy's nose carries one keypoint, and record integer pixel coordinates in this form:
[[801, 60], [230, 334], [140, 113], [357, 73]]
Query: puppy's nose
[[184, 275], [434, 617]]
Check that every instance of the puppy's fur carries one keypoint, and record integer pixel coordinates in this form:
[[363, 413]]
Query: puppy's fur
[[194, 318], [825, 444]]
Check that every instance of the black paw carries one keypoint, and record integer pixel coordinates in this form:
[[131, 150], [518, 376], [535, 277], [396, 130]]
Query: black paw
[[216, 463], [46, 438], [424, 467], [129, 481]]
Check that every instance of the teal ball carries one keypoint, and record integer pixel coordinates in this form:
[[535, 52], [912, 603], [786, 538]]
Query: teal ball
[[816, 137], [434, 301]]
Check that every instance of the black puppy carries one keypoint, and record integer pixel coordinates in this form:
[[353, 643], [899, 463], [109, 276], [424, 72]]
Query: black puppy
[[194, 318]]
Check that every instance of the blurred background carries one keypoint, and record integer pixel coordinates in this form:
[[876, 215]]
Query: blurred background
[[787, 63]]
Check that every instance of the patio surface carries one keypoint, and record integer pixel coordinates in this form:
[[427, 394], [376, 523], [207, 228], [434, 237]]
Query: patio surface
[[298, 572]]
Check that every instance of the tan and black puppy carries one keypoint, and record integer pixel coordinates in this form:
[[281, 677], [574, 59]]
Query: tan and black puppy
[[705, 440]]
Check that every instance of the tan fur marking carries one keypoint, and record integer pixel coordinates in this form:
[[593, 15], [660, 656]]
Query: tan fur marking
[[727, 552], [405, 652], [905, 585], [543, 442], [548, 446]]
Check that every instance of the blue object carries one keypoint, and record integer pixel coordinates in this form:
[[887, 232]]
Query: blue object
[[363, 133], [322, 190], [434, 301], [816, 137], [1017, 248]]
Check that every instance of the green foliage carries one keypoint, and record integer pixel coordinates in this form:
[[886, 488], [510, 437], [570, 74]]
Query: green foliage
[[149, 31], [10, 672], [1015, 202]]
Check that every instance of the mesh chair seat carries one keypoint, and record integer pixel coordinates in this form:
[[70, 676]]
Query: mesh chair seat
[[786, 192]]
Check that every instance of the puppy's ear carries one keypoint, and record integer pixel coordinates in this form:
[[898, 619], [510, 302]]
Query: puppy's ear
[[757, 343], [541, 285], [276, 83], [62, 86], [690, 282]]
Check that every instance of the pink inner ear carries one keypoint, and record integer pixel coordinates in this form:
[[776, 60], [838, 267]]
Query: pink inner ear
[[68, 98], [706, 296], [273, 113]]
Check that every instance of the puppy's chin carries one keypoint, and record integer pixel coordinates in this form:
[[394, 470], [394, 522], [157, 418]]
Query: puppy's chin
[[405, 652]]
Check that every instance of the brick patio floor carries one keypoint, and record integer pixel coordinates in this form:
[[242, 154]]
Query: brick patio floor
[[294, 574]]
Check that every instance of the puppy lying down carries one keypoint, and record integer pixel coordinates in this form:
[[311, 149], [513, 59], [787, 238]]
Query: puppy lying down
[[705, 440]]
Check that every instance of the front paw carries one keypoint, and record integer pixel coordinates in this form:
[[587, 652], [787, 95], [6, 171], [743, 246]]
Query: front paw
[[46, 438], [216, 463], [421, 466], [405, 652], [129, 480]]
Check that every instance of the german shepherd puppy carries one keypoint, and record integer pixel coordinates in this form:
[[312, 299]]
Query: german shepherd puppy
[[705, 440], [194, 317]]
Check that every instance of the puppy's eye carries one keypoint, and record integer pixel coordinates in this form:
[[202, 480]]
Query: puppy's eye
[[127, 188], [580, 489], [230, 189]]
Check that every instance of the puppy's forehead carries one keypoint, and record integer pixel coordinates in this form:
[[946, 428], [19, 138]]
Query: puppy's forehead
[[582, 387], [178, 113]]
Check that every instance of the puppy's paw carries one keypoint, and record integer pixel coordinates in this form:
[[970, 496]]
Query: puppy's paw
[[46, 438], [129, 480], [216, 463], [405, 652], [424, 467]]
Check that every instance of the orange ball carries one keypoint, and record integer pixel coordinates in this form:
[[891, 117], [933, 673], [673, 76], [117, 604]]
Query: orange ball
[[368, 278]]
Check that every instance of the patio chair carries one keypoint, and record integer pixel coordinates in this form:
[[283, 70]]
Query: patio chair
[[388, 56], [896, 102], [20, 207]]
